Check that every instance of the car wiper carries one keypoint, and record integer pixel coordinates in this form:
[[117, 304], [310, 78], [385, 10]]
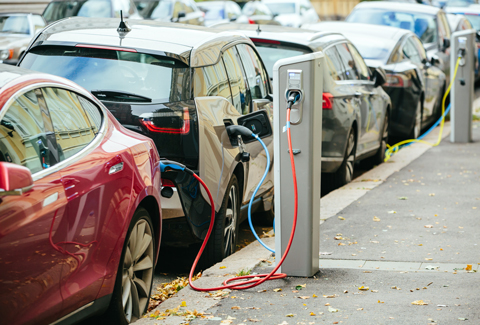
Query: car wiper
[[120, 95]]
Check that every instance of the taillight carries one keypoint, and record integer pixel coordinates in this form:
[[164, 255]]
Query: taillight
[[266, 41], [148, 122], [167, 183], [398, 81], [327, 100], [251, 21]]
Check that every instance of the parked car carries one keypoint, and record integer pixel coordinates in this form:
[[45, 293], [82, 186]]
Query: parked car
[[177, 11], [472, 13], [160, 83], [356, 110], [415, 84], [16, 31], [444, 4], [427, 22], [59, 9], [292, 13], [221, 12], [80, 217], [258, 13]]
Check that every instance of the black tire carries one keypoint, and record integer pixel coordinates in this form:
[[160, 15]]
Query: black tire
[[223, 240], [344, 174], [380, 155], [133, 274], [417, 123]]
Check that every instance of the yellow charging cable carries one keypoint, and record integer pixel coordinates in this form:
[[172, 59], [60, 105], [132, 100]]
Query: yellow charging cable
[[392, 149]]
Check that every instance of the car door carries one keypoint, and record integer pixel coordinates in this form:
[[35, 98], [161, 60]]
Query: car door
[[32, 225], [241, 63], [367, 125], [97, 185]]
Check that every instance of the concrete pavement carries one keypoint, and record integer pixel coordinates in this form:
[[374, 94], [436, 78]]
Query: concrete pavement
[[408, 230]]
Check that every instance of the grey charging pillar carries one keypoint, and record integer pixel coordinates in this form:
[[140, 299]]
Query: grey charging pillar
[[304, 74], [462, 90]]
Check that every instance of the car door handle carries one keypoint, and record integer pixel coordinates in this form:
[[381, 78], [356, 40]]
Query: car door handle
[[50, 199]]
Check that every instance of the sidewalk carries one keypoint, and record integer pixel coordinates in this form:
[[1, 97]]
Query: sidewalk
[[408, 229]]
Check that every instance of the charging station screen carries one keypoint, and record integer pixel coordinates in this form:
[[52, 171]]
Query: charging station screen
[[294, 76]]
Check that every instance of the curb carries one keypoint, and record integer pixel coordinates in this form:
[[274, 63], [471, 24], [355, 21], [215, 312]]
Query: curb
[[254, 254]]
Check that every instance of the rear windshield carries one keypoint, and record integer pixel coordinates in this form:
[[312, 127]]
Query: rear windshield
[[372, 47], [423, 25], [159, 78], [271, 54], [86, 8]]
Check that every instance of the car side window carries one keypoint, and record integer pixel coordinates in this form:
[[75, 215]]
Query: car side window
[[23, 137], [348, 62], [420, 49], [240, 95], [362, 68], [211, 81], [256, 75], [93, 113], [73, 129], [334, 63], [410, 51]]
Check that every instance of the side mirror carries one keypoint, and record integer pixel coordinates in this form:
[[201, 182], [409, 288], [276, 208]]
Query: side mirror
[[435, 61], [181, 14], [446, 43], [14, 179], [379, 76], [233, 18]]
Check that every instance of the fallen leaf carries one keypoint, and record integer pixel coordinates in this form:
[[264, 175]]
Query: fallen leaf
[[338, 238], [327, 304], [277, 290], [403, 198], [236, 308], [376, 219], [341, 218], [359, 308], [345, 291], [332, 310], [312, 313], [363, 288], [328, 296], [469, 267], [304, 297], [431, 194], [341, 244], [392, 211], [254, 320], [428, 226], [264, 290], [227, 321], [290, 315], [314, 296], [183, 304], [419, 303], [223, 267], [462, 318], [428, 259], [381, 302], [374, 291]]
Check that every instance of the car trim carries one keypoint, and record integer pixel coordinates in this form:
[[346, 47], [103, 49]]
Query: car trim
[[82, 153]]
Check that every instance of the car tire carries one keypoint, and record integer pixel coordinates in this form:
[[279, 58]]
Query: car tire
[[438, 104], [344, 174], [133, 284], [379, 156], [223, 240], [417, 123]]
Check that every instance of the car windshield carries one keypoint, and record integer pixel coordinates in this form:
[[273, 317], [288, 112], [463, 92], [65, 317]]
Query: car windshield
[[85, 8], [281, 8], [14, 24], [271, 54], [214, 12], [423, 25], [159, 78], [474, 20], [162, 10]]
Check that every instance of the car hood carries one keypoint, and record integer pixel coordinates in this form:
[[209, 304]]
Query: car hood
[[12, 41], [290, 20]]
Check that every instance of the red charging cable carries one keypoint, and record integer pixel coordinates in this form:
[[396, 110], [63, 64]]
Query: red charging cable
[[260, 277]]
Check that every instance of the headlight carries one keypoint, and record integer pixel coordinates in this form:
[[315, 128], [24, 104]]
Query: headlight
[[6, 54]]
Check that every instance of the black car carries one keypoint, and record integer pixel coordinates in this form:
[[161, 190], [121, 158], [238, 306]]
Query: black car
[[414, 84], [427, 22]]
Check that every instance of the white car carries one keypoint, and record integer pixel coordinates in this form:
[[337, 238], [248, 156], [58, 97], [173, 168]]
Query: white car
[[292, 13]]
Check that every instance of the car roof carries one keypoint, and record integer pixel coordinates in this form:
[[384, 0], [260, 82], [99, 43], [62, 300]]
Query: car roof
[[197, 45], [291, 35], [474, 9], [398, 6]]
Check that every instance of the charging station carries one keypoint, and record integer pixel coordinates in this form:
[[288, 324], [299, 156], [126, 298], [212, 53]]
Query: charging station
[[463, 44], [301, 75]]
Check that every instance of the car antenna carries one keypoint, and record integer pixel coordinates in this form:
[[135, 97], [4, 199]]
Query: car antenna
[[123, 28], [258, 29]]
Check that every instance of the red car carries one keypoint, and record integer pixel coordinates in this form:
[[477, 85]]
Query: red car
[[80, 214]]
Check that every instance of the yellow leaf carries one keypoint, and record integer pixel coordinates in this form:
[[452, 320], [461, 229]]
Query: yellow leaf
[[290, 315], [419, 303], [341, 244], [277, 290], [183, 304], [223, 267], [235, 308], [469, 267], [341, 218], [314, 296], [363, 288], [376, 219], [381, 302], [312, 314], [359, 308]]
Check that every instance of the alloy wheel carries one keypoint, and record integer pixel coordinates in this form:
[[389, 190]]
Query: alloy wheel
[[231, 217], [137, 270], [350, 158], [418, 121]]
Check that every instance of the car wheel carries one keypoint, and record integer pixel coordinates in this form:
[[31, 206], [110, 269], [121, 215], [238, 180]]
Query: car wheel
[[417, 126], [133, 284], [380, 155], [223, 240], [344, 174], [438, 104]]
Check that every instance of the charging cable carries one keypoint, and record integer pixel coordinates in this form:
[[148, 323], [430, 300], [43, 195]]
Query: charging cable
[[167, 165], [396, 147]]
